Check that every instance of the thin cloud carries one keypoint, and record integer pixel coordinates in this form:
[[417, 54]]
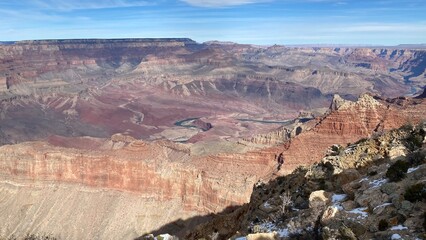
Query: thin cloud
[[221, 3], [67, 5]]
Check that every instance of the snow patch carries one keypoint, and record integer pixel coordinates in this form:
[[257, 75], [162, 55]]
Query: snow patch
[[283, 232], [338, 197], [362, 180], [165, 236], [360, 211], [266, 205], [382, 205], [378, 183], [270, 227], [398, 227], [395, 236], [338, 206], [410, 170]]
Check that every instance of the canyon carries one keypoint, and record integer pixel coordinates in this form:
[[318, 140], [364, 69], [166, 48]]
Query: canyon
[[112, 139]]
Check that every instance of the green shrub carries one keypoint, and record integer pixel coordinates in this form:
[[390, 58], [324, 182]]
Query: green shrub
[[416, 193], [407, 127], [414, 141], [396, 172], [383, 225]]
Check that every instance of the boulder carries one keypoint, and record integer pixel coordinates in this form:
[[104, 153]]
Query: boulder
[[372, 197], [389, 188], [347, 233], [319, 199], [347, 176], [348, 205], [329, 215], [396, 152]]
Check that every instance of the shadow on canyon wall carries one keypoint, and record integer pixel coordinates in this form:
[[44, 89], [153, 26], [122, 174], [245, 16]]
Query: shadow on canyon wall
[[181, 228]]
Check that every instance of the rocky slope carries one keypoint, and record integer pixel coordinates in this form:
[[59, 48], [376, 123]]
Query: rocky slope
[[373, 189]]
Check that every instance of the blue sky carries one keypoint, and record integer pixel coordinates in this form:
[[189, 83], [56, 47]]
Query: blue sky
[[383, 22]]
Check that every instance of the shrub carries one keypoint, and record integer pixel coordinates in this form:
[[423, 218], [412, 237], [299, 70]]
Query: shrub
[[415, 193], [286, 203], [416, 158], [407, 127], [397, 171], [414, 141], [383, 225]]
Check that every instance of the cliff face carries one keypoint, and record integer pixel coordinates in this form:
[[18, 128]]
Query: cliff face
[[348, 122], [152, 171], [163, 181]]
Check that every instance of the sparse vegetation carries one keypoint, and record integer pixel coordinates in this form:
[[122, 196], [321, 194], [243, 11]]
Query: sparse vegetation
[[407, 127], [287, 203], [414, 140], [416, 193], [397, 171], [416, 158]]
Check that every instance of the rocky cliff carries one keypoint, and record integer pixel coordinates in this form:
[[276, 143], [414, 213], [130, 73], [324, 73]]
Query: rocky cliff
[[373, 189], [162, 179], [348, 122]]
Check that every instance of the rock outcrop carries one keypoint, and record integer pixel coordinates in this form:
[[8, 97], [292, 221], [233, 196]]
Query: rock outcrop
[[347, 122]]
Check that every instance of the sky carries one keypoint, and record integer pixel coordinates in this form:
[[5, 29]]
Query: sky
[[262, 22]]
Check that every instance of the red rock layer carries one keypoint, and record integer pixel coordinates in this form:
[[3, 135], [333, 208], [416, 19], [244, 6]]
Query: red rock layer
[[349, 123], [158, 171]]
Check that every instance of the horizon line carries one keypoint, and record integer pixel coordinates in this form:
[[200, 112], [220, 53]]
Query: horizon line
[[218, 42]]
